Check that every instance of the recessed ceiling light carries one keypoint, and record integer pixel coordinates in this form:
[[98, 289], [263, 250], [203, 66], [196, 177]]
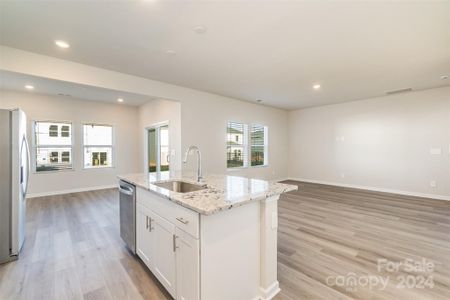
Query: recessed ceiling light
[[29, 87], [259, 100], [120, 100], [444, 77], [171, 52], [316, 86], [62, 44], [200, 29]]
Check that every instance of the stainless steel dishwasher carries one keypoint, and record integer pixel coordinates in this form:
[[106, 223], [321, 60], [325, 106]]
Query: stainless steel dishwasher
[[128, 214]]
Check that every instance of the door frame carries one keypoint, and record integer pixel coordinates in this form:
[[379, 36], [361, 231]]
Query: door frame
[[158, 145]]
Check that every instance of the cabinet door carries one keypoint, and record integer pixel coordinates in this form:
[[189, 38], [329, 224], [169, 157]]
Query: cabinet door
[[164, 254], [144, 235], [188, 268]]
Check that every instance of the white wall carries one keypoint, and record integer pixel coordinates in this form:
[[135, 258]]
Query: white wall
[[381, 143], [56, 108], [205, 123], [203, 115]]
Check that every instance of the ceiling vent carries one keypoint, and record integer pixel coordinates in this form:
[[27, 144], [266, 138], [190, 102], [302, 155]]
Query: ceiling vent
[[399, 91]]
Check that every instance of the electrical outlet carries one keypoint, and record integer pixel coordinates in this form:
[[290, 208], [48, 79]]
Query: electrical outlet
[[342, 175], [433, 183]]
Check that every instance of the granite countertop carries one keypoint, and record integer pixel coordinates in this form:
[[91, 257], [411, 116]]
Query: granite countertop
[[222, 191]]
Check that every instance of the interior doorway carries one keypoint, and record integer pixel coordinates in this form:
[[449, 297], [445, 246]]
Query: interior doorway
[[158, 152]]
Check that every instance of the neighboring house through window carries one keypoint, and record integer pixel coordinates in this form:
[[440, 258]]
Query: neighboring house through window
[[236, 145], [98, 145], [237, 149], [52, 146]]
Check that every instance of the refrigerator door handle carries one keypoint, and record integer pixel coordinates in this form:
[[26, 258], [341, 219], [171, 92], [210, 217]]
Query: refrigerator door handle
[[25, 142]]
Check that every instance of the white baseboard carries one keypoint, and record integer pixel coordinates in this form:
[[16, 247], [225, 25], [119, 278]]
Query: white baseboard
[[270, 291], [281, 179], [61, 192], [375, 189]]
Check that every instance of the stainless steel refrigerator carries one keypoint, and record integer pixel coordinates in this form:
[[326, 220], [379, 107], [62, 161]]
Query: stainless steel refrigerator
[[14, 175]]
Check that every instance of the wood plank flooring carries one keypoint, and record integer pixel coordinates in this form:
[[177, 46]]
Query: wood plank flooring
[[73, 249], [331, 231]]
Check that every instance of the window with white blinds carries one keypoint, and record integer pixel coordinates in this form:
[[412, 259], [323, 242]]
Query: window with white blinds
[[258, 145], [237, 137], [246, 147]]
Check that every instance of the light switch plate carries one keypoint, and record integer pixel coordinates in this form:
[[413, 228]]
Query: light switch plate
[[435, 151], [433, 183]]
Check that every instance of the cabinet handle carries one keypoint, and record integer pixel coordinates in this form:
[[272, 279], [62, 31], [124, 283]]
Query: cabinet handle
[[174, 243], [146, 222], [150, 225], [182, 220]]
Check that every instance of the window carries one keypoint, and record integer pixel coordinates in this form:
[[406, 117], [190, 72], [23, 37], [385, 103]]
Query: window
[[237, 149], [236, 145], [258, 145], [65, 156], [52, 146], [98, 145], [65, 131], [53, 131]]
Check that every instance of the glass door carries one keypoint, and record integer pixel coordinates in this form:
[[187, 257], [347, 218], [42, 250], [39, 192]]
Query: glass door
[[158, 155]]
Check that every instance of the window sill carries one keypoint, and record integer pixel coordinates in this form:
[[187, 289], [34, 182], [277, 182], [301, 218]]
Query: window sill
[[53, 171], [259, 166], [94, 168], [245, 168], [237, 168]]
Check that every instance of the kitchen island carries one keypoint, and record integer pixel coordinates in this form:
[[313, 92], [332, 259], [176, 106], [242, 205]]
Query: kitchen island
[[214, 239]]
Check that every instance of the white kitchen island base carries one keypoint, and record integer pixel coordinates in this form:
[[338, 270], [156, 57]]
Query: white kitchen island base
[[238, 252], [218, 243]]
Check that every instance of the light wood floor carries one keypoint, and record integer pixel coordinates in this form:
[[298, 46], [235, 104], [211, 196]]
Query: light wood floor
[[329, 231], [73, 249]]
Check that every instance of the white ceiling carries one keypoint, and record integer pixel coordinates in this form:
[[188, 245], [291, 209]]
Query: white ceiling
[[16, 82], [269, 50]]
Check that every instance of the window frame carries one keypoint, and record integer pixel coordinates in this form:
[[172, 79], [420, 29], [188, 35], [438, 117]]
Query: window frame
[[34, 146], [157, 127], [245, 145], [112, 146], [266, 145]]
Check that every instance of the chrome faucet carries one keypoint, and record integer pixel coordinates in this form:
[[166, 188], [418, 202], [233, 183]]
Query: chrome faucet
[[199, 161]]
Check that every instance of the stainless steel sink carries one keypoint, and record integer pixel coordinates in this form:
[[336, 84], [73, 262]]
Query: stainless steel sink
[[180, 186]]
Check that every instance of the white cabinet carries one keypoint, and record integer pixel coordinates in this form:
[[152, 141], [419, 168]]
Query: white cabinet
[[187, 255], [144, 235], [223, 256], [167, 243], [164, 254]]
